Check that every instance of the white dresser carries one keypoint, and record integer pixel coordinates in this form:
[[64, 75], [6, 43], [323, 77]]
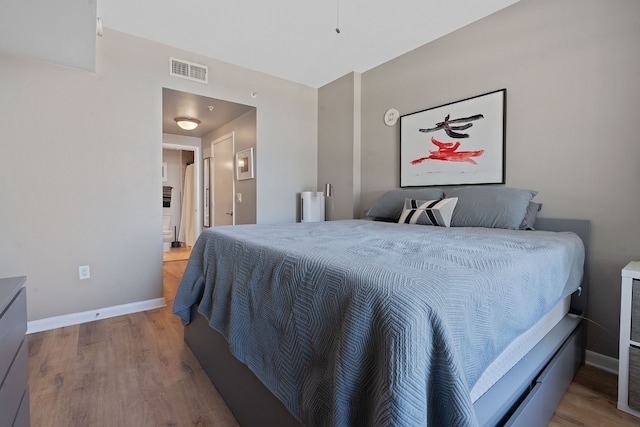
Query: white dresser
[[14, 372], [629, 357]]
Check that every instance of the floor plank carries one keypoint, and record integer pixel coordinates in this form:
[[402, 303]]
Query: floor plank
[[132, 370], [135, 370], [52, 375], [591, 400], [177, 254]]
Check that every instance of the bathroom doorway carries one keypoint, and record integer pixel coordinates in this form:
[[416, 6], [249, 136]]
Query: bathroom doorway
[[186, 222]]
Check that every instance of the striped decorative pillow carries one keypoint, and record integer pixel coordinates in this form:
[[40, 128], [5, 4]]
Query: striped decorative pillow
[[428, 212]]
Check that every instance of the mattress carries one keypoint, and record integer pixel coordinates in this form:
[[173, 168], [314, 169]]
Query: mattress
[[518, 348], [346, 321]]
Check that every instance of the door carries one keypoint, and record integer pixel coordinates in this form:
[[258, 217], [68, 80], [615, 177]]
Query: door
[[223, 185], [207, 193]]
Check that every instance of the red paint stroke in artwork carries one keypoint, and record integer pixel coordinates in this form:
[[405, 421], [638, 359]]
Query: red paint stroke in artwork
[[447, 152]]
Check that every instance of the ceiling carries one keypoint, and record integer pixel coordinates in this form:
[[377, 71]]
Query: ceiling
[[296, 39], [182, 104], [292, 39]]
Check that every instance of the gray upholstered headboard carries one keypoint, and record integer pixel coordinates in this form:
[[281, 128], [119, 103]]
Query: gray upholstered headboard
[[582, 227]]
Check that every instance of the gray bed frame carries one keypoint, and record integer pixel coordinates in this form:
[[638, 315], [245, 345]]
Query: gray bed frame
[[526, 396]]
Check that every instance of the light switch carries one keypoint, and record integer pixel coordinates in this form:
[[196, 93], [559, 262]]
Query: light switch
[[239, 197]]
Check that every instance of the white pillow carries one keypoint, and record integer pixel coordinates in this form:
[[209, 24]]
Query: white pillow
[[389, 206], [428, 212]]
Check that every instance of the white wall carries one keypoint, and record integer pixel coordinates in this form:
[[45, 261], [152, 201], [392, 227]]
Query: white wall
[[80, 157], [571, 69]]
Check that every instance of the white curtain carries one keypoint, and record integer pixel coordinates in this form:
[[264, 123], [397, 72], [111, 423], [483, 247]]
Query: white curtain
[[187, 231]]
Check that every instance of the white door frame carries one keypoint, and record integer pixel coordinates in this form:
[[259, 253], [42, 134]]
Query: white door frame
[[197, 160], [231, 135]]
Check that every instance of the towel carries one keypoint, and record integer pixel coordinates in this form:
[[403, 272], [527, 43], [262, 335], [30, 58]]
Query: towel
[[166, 196]]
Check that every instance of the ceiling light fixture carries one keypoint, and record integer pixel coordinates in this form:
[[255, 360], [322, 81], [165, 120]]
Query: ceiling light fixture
[[187, 123]]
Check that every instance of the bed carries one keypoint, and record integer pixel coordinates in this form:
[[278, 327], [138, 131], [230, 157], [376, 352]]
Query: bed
[[363, 322]]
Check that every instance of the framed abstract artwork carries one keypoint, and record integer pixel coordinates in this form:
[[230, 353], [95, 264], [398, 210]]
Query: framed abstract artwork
[[462, 142]]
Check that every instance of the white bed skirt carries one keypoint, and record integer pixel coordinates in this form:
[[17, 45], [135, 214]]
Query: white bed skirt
[[519, 348]]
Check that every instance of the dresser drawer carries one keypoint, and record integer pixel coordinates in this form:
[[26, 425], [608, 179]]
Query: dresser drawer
[[13, 325], [551, 385], [635, 311], [14, 386], [634, 378]]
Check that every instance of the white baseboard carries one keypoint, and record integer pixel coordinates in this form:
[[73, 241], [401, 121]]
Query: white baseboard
[[89, 316], [600, 361]]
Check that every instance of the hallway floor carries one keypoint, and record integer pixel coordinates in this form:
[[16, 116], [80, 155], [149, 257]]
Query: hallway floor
[[177, 254]]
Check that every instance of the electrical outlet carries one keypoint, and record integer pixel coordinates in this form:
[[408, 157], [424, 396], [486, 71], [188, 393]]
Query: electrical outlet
[[84, 272]]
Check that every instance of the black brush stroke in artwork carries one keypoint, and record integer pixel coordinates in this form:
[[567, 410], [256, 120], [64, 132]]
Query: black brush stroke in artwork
[[451, 130]]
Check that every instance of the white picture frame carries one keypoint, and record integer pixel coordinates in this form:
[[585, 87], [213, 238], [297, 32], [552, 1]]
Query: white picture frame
[[244, 164], [462, 142]]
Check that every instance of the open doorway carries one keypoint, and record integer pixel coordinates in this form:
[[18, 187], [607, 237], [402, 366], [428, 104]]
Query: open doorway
[[215, 118], [182, 194]]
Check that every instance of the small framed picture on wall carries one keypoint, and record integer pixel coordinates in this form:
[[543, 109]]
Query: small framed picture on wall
[[244, 164]]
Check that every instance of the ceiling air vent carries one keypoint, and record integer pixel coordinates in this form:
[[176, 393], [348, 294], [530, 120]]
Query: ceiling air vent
[[188, 70]]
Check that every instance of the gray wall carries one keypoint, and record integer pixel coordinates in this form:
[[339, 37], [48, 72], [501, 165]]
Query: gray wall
[[571, 69], [339, 143], [80, 177], [244, 137]]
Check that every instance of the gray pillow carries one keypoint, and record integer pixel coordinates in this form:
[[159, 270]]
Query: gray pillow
[[389, 207], [531, 216], [490, 207]]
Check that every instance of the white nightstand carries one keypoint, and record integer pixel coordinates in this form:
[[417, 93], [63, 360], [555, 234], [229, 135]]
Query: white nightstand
[[629, 358]]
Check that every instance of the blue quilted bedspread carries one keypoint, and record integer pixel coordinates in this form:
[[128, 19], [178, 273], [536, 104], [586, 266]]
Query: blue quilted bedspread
[[368, 323]]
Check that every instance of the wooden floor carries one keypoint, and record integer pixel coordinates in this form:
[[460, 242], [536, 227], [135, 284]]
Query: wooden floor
[[591, 401], [132, 370], [135, 370], [177, 254]]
